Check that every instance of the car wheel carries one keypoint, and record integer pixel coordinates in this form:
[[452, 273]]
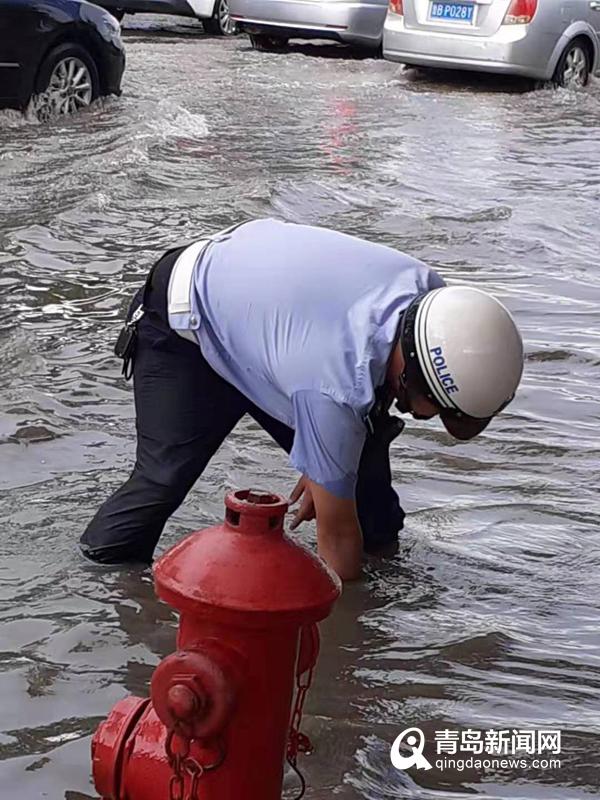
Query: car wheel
[[67, 81], [267, 43], [221, 23], [573, 69]]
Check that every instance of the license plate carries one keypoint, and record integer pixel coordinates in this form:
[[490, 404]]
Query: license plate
[[454, 12]]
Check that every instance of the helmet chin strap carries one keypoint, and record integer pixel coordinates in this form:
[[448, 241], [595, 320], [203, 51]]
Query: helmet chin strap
[[402, 402], [403, 399]]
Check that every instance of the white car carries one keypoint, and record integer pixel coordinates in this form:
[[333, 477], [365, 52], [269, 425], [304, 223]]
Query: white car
[[213, 13], [547, 40]]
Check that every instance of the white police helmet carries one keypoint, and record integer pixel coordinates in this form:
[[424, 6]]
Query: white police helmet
[[464, 352]]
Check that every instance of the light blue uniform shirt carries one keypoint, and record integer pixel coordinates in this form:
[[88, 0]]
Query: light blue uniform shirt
[[302, 321]]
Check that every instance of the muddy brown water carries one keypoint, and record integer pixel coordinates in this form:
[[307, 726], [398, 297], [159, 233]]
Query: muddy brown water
[[488, 616]]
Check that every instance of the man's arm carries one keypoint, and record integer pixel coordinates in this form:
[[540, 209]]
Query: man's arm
[[339, 537], [328, 442]]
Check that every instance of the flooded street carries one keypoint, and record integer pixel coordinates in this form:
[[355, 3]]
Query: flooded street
[[488, 617]]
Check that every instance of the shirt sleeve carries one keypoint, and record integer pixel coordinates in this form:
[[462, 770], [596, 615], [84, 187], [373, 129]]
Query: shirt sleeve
[[328, 442]]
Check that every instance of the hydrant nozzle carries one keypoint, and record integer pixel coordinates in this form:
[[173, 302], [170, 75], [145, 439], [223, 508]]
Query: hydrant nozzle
[[194, 691], [184, 704]]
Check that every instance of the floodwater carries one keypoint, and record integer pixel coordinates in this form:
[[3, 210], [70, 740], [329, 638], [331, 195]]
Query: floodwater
[[488, 617]]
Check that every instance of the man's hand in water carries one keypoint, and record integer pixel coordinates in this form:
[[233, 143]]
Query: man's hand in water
[[306, 510], [339, 537]]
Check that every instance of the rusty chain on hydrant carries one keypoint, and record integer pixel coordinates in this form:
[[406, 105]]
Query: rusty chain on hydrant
[[299, 742], [182, 763]]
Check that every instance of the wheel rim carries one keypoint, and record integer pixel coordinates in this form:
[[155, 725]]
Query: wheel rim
[[69, 88], [576, 68], [226, 24]]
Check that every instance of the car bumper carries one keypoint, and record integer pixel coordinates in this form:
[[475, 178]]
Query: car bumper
[[514, 49], [200, 8], [358, 22]]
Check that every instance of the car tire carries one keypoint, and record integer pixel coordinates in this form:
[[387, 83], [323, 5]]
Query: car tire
[[67, 81], [574, 66], [266, 43], [221, 24]]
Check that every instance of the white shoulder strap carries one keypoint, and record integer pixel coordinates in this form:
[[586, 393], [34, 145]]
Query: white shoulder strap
[[181, 278], [181, 275]]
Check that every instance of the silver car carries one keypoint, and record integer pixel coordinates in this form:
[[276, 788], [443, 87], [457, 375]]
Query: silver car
[[271, 23], [543, 39]]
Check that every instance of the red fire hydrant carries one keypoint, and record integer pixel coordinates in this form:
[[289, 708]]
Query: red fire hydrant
[[219, 722]]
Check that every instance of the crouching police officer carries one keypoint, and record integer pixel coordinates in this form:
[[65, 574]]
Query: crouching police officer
[[314, 334]]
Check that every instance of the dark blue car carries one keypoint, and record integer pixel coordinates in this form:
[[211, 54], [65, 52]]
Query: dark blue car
[[57, 55]]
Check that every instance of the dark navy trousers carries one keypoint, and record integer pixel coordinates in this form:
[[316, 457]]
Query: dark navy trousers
[[184, 411]]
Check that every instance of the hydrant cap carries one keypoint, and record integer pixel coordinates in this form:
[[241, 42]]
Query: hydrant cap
[[248, 566]]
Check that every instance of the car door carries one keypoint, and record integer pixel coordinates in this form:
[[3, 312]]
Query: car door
[[10, 66], [575, 11], [463, 17], [17, 26]]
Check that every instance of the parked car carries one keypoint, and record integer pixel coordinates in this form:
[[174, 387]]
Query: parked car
[[213, 13], [271, 23], [544, 39], [57, 55]]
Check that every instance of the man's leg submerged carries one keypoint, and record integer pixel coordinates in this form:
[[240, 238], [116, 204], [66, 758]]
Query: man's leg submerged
[[184, 411]]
